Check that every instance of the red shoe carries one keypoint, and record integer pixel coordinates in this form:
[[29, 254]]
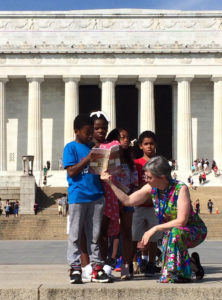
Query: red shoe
[[98, 274]]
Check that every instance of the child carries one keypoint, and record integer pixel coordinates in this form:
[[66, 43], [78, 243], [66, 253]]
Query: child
[[144, 217], [110, 221], [128, 178], [100, 127], [86, 202]]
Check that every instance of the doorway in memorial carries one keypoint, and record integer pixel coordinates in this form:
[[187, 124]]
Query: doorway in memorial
[[163, 119], [127, 109], [126, 97], [89, 98]]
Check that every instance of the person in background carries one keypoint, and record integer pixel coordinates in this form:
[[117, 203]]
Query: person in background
[[1, 210], [48, 164], [45, 171], [64, 205], [210, 206], [16, 209], [36, 208], [197, 206], [60, 206], [7, 209], [60, 164]]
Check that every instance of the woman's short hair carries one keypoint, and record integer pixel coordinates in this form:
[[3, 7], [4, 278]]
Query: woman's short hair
[[158, 166]]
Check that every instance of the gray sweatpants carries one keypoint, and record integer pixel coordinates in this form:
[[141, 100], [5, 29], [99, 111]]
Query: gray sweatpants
[[89, 216]]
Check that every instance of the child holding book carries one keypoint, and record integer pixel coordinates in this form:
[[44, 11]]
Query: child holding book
[[86, 202]]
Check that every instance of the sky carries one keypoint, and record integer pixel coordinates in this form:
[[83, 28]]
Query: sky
[[19, 5]]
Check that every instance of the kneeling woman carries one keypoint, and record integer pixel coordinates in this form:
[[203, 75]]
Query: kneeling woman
[[182, 228]]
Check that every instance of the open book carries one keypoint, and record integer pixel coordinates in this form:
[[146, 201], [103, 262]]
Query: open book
[[105, 160]]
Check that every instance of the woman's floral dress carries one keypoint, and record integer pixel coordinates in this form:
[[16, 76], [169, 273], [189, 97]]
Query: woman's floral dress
[[177, 240]]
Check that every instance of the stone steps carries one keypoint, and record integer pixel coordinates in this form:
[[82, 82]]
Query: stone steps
[[47, 225], [31, 227], [214, 226], [53, 227]]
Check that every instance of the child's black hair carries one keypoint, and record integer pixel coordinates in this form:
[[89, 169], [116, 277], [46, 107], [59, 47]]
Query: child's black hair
[[115, 135], [81, 121], [147, 134], [101, 116]]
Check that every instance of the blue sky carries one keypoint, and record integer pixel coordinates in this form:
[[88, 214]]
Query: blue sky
[[101, 4]]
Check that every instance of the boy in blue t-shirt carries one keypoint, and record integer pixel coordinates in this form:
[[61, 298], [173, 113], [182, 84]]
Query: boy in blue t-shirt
[[86, 202]]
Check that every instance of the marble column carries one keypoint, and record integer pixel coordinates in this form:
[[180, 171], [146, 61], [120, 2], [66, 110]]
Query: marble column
[[146, 105], [184, 125], [3, 80], [139, 102], [217, 134], [35, 121], [71, 109], [108, 104]]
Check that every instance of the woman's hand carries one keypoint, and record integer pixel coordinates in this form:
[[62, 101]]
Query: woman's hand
[[147, 235], [105, 176]]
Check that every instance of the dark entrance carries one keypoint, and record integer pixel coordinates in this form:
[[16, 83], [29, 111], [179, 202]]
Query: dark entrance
[[163, 119], [89, 98], [127, 109]]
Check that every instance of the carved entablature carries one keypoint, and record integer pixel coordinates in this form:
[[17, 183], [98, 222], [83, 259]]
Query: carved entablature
[[140, 23], [99, 47], [111, 32], [109, 59]]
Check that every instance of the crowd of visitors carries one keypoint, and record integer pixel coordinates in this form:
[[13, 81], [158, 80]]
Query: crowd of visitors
[[11, 208], [203, 166], [152, 207]]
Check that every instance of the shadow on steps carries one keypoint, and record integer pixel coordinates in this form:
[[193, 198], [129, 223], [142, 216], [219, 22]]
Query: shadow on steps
[[47, 197]]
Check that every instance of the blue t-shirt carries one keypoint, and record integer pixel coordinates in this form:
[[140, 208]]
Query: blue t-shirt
[[84, 187]]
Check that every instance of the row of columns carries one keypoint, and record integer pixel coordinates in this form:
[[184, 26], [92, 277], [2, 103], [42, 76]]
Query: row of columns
[[146, 113]]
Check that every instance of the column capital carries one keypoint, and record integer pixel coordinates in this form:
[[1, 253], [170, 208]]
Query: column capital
[[180, 78], [67, 78], [3, 78], [111, 78], [143, 78], [216, 78], [37, 78], [138, 85]]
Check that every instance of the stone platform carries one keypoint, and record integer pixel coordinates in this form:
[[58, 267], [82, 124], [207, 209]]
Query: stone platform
[[38, 282]]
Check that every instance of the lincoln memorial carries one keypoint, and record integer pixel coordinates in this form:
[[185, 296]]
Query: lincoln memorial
[[153, 70]]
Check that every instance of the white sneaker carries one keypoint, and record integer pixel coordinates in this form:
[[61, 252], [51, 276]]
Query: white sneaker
[[87, 273], [108, 270]]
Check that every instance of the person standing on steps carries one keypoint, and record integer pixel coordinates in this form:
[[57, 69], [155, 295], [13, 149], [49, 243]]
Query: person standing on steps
[[210, 206]]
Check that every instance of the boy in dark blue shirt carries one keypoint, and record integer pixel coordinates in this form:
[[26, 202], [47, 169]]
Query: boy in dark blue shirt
[[86, 202]]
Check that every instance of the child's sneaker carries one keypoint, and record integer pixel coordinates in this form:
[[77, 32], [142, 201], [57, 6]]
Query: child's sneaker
[[125, 274], [143, 266], [111, 262], [150, 269], [87, 273], [136, 267], [75, 276], [118, 265], [108, 270], [99, 275]]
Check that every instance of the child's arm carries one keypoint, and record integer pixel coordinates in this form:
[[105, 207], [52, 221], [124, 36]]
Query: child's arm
[[77, 168]]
